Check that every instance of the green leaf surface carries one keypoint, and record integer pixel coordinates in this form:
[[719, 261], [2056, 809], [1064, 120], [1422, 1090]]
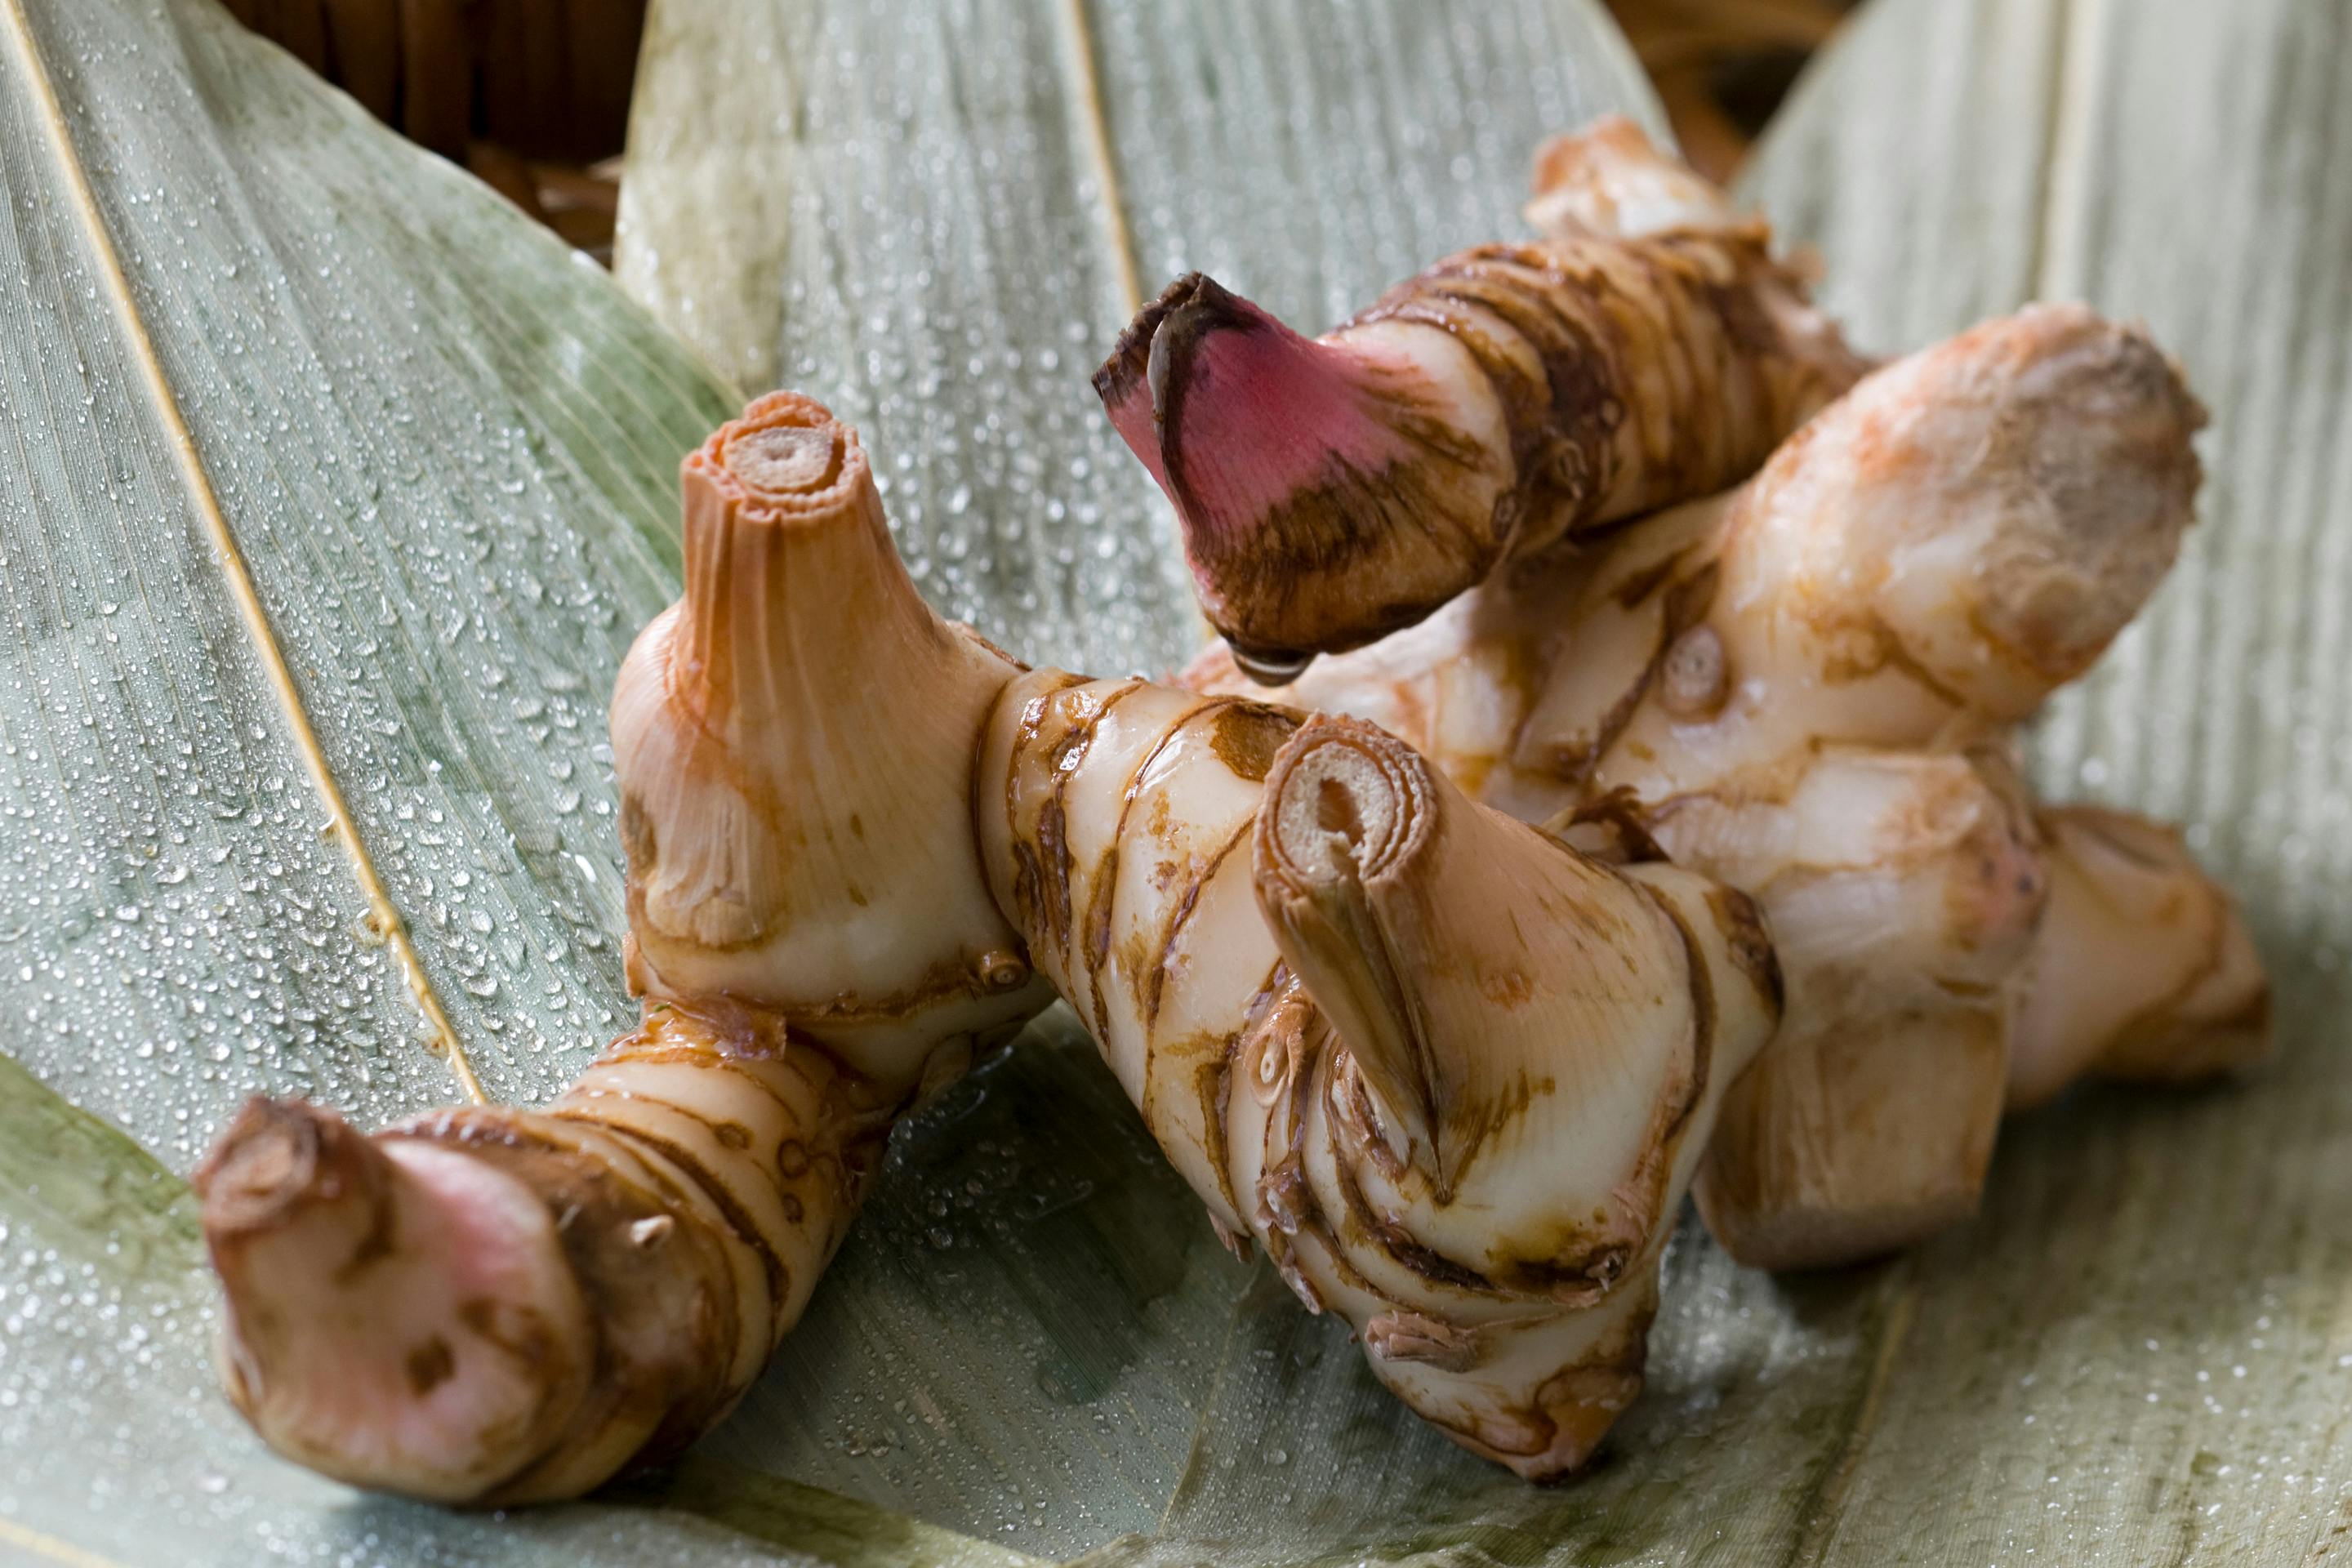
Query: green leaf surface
[[332, 491]]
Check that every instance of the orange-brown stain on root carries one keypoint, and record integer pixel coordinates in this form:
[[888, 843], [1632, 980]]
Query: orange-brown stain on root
[[1246, 735], [1741, 922]]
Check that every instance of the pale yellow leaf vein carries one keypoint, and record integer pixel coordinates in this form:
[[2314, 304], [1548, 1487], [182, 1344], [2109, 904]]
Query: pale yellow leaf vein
[[1114, 205], [1827, 1510], [2078, 84], [384, 915], [50, 1547]]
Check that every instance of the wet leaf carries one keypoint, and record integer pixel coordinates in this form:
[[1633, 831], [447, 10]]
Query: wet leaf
[[2140, 1351], [937, 217]]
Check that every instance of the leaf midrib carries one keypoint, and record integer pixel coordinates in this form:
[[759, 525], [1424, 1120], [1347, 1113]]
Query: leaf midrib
[[1080, 45], [48, 1546]]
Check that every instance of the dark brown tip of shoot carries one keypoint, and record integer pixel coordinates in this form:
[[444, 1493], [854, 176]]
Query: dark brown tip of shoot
[[1143, 382], [1232, 412], [1118, 377]]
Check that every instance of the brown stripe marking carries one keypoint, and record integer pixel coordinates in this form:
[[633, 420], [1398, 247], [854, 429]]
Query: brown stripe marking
[[1749, 943], [1701, 984], [738, 1220], [1033, 718], [1176, 924], [727, 1134], [1099, 905], [1069, 756], [429, 1365], [698, 1058], [1289, 1209], [1399, 1245], [1686, 603], [1213, 1082]]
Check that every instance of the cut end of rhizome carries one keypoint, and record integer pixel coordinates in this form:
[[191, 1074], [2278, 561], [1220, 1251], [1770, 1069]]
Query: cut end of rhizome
[[1611, 178], [399, 1315]]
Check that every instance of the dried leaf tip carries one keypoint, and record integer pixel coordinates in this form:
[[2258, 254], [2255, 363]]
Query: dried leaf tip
[[1289, 458]]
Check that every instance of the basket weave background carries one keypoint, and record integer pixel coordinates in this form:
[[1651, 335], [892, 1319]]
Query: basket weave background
[[531, 95]]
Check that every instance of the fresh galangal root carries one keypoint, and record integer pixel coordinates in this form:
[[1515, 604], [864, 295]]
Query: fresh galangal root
[[489, 1305], [1454, 1074], [1807, 686], [493, 1306]]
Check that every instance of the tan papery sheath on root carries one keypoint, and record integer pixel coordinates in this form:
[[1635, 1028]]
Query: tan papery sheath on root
[[1805, 687], [1334, 489], [490, 1305], [1453, 1075]]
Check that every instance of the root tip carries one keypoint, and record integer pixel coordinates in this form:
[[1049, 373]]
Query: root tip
[[276, 1156]]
